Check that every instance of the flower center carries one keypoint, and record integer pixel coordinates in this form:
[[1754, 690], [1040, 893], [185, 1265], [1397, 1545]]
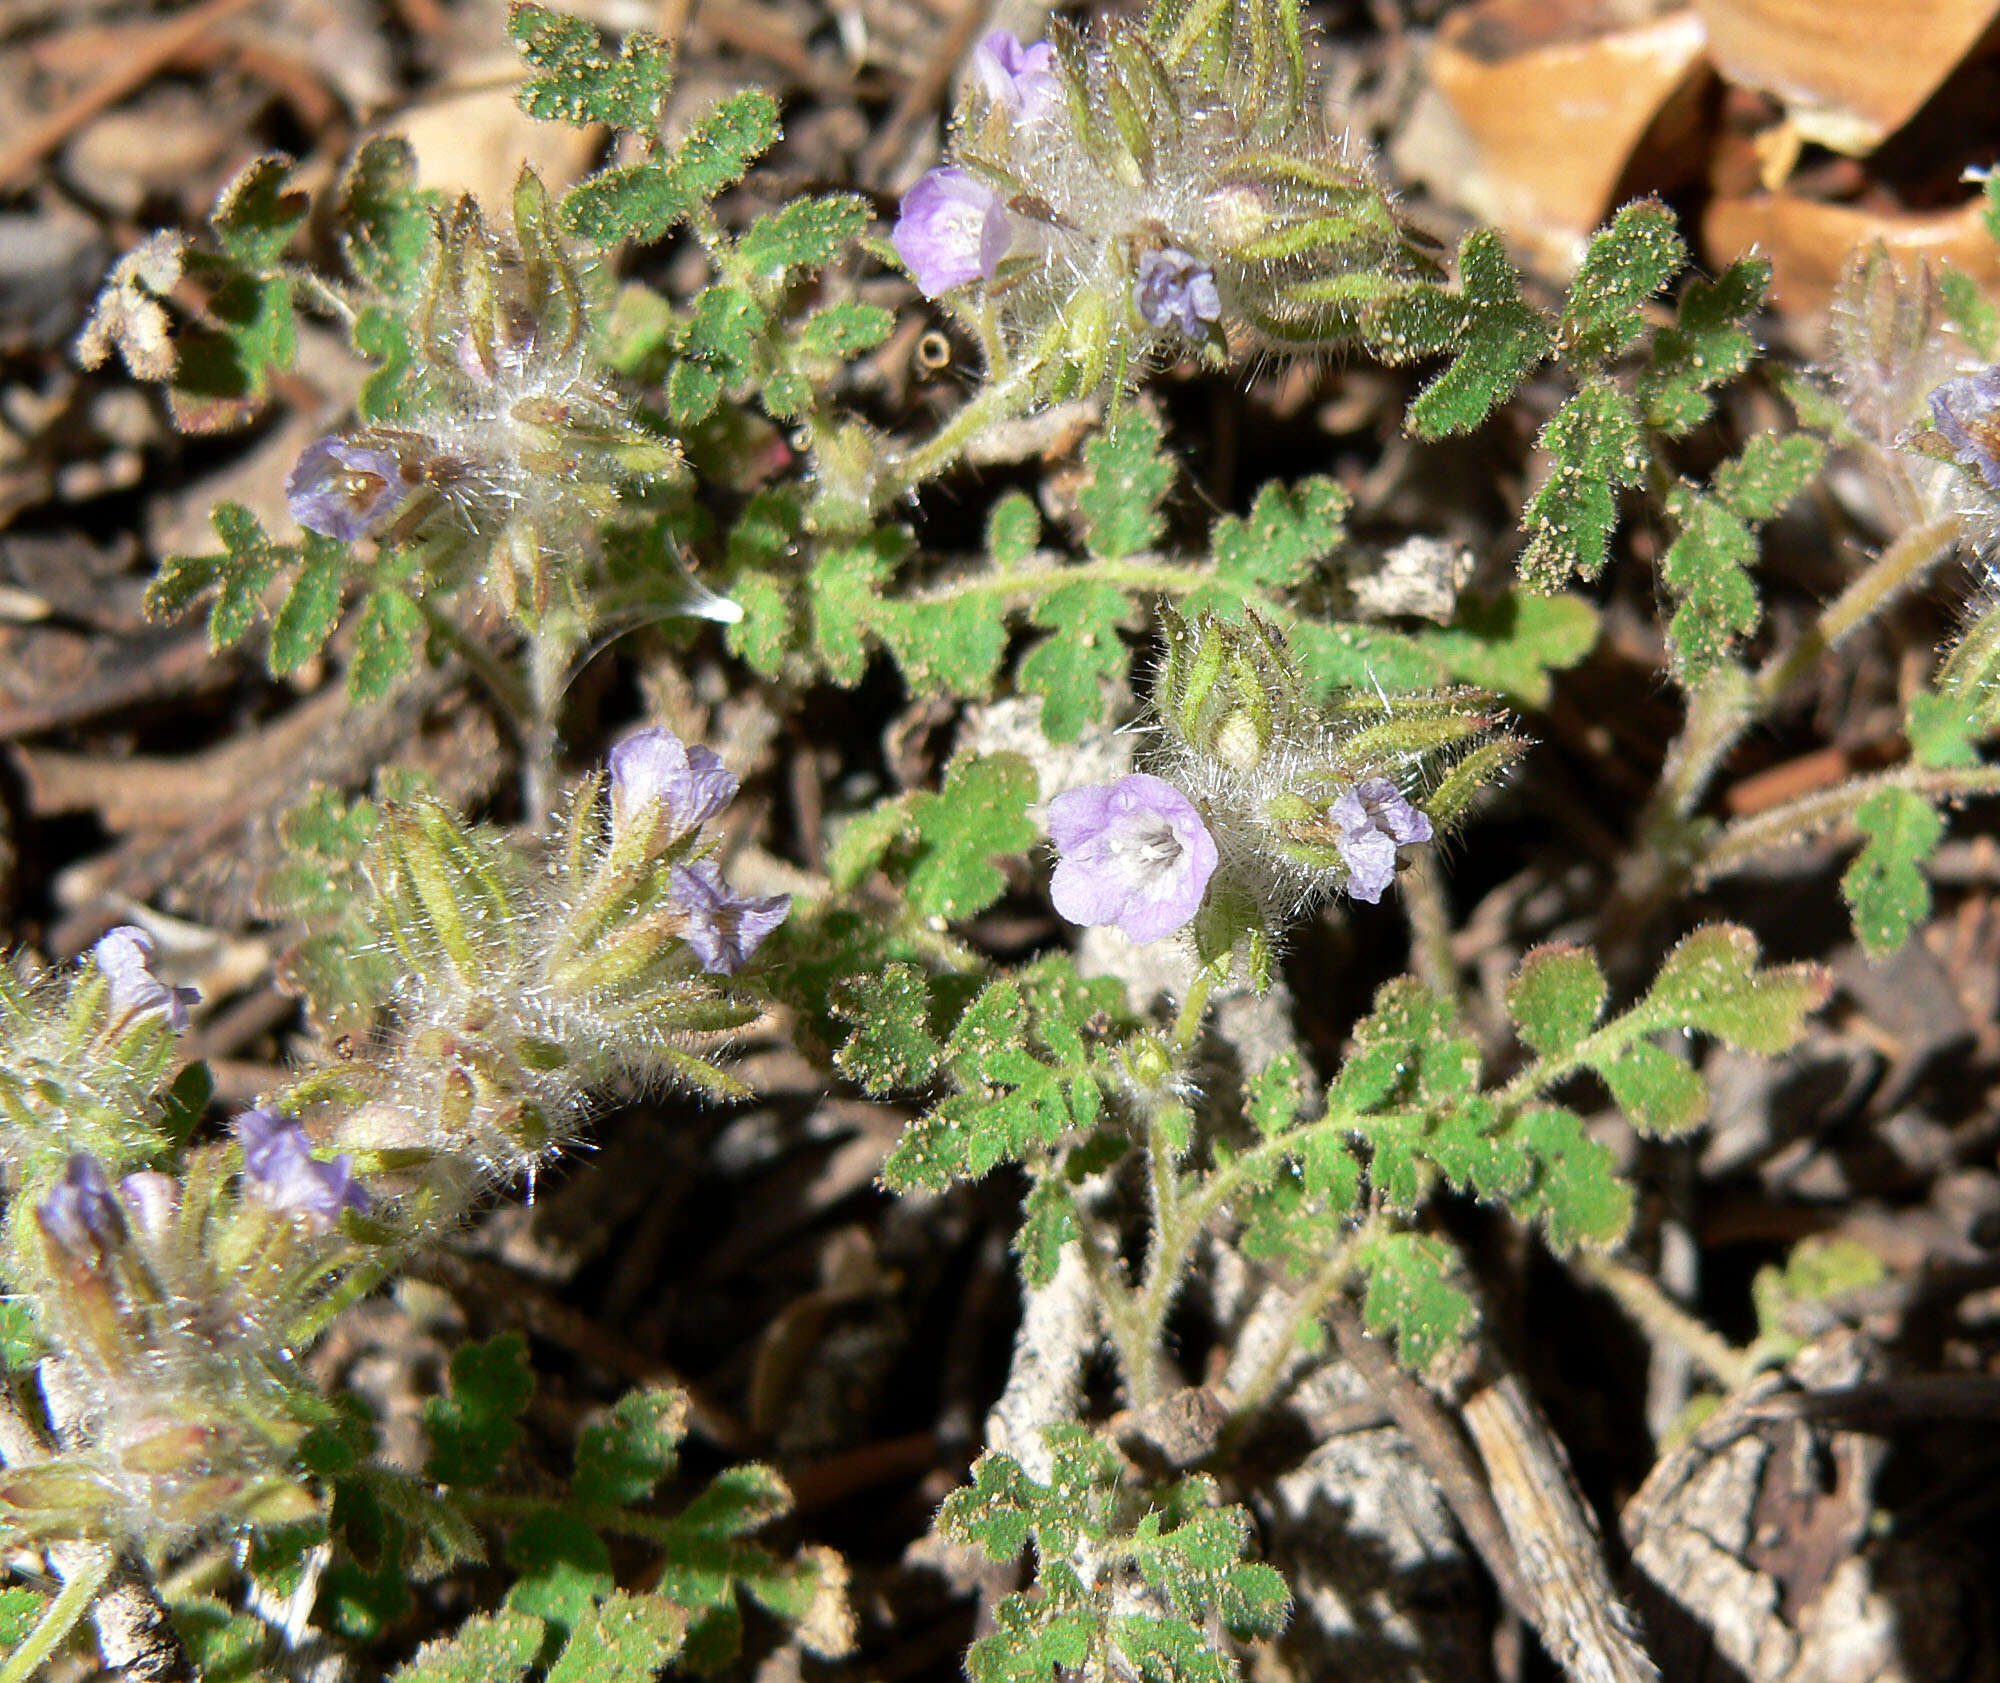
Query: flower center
[[1144, 846]]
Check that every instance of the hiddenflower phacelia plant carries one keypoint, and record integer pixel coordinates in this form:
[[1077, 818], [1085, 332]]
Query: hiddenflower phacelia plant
[[1135, 853], [1137, 195], [1375, 820]]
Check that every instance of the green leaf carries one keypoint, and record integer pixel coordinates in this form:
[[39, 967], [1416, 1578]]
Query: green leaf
[[580, 82], [892, 1048], [723, 142], [20, 1608], [1708, 345], [1624, 266], [1707, 569], [1411, 1293], [238, 577], [487, 1648], [980, 813], [621, 1462], [626, 1639], [805, 234], [1013, 530], [1577, 1195], [1769, 473], [1595, 446], [1712, 982], [1512, 643], [946, 645], [1555, 998], [1659, 1093], [845, 329], [1944, 728], [693, 391], [1048, 1222], [257, 213], [564, 1567], [846, 587], [388, 225], [386, 637], [1885, 886], [1288, 531], [1023, 1058], [1500, 341], [1129, 477], [475, 1428], [1069, 670], [311, 608]]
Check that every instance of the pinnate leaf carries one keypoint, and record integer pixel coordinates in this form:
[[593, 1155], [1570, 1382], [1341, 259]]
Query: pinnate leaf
[[579, 80], [979, 814]]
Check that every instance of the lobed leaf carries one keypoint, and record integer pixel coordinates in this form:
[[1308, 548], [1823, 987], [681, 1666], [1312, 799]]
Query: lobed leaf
[[1500, 341], [475, 1427], [580, 81], [1885, 887], [1624, 266], [1595, 447]]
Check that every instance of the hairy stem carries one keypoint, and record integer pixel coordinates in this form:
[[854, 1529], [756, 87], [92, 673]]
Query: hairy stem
[[61, 1617], [1664, 1321]]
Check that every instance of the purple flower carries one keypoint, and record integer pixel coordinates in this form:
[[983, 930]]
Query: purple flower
[[1134, 853], [1178, 288], [280, 1169], [654, 775], [1967, 411], [952, 229], [723, 927], [124, 958], [82, 1215], [1374, 821], [342, 488], [1021, 80]]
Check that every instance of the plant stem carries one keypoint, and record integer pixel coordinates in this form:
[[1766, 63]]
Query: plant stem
[[1331, 1280], [63, 1615], [1664, 1321], [1898, 567], [1738, 844]]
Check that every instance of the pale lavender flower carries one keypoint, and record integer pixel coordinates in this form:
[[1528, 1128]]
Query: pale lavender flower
[[282, 1173], [1021, 80], [655, 776], [124, 958], [723, 927], [82, 1215], [1134, 853], [1966, 410], [1374, 821], [952, 228], [1176, 287], [342, 488]]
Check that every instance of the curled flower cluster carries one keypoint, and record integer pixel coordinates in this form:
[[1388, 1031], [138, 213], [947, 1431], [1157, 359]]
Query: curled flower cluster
[[1137, 195], [528, 986], [168, 1307], [82, 1056], [1258, 797], [512, 450]]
